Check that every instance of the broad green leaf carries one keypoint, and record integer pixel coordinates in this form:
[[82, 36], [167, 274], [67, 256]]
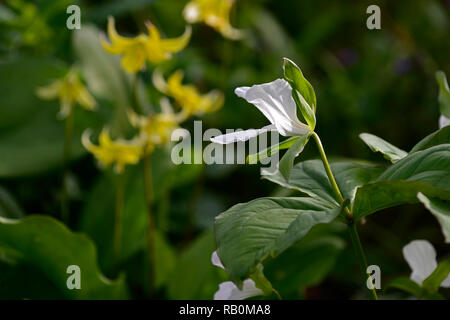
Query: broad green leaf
[[195, 277], [426, 171], [441, 136], [287, 161], [444, 94], [97, 215], [389, 151], [405, 284], [31, 136], [9, 208], [302, 91], [314, 260], [310, 177], [248, 233], [254, 158], [48, 246], [104, 75], [441, 210], [434, 280]]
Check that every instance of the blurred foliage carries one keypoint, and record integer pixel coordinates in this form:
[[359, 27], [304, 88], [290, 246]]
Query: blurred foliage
[[377, 81]]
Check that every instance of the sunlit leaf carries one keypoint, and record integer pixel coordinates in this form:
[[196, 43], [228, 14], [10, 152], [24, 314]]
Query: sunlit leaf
[[389, 151]]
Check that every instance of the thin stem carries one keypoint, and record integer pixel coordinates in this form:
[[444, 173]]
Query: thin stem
[[118, 217], [334, 185], [67, 149], [151, 222], [361, 256], [349, 215]]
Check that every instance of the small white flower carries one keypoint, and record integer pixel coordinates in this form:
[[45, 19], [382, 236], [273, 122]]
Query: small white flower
[[229, 291], [421, 257], [443, 121], [274, 100]]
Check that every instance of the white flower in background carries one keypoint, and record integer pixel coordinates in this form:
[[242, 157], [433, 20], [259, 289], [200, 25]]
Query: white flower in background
[[443, 121], [229, 291], [274, 100], [421, 257]]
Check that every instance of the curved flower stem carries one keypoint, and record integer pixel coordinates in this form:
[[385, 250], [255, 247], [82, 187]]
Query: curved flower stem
[[349, 215], [118, 218], [68, 133], [148, 191], [151, 222]]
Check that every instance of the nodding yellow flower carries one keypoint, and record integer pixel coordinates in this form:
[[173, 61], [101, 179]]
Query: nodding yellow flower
[[215, 13], [187, 96], [70, 91], [155, 129], [119, 152], [136, 51]]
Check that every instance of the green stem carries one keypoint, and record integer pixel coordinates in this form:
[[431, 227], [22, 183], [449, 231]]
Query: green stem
[[151, 223], [361, 256], [349, 215], [67, 149], [118, 218]]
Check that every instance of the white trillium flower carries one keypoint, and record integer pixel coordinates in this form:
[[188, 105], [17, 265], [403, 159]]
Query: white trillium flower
[[274, 100], [421, 257], [443, 121], [229, 291]]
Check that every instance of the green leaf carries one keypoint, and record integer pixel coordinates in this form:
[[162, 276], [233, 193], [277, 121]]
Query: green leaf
[[426, 171], [405, 284], [31, 136], [444, 94], [254, 158], [248, 233], [302, 91], [48, 246], [434, 280], [441, 210], [287, 161], [441, 136], [195, 277], [104, 75], [314, 260], [389, 151], [310, 177], [9, 208]]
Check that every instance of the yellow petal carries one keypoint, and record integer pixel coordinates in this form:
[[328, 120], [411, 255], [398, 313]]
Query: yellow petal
[[49, 92], [158, 81], [134, 58], [177, 44], [85, 99]]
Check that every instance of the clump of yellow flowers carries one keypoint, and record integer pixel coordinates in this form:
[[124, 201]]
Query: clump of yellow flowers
[[214, 13], [70, 91], [136, 51]]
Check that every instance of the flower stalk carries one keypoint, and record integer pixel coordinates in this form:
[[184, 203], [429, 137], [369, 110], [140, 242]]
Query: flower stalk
[[120, 188], [67, 149], [151, 222], [348, 214]]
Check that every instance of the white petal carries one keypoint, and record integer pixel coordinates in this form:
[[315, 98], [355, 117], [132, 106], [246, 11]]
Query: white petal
[[443, 121], [242, 135], [215, 260], [421, 257], [274, 100], [229, 291]]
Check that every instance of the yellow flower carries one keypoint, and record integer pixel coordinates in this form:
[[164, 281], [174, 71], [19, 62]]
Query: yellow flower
[[187, 96], [119, 152], [70, 91], [215, 13], [155, 129], [136, 51]]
